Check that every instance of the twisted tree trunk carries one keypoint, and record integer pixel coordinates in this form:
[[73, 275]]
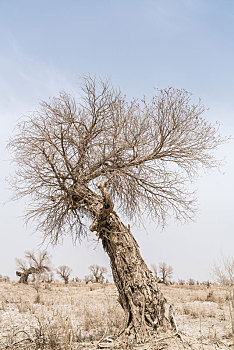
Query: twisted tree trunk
[[25, 274], [143, 303], [139, 295]]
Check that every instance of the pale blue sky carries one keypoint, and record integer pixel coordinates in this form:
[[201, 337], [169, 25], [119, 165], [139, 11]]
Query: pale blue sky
[[46, 46]]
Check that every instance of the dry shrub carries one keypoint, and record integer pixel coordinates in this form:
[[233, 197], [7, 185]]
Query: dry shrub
[[210, 296], [23, 307], [190, 311]]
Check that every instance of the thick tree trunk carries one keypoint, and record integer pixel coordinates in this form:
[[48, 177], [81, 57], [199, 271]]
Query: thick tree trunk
[[23, 277], [25, 274], [139, 295], [142, 301]]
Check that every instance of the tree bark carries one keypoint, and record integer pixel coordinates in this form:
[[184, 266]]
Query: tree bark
[[142, 301]]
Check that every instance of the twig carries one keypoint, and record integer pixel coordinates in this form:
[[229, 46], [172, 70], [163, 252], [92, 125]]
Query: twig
[[103, 336]]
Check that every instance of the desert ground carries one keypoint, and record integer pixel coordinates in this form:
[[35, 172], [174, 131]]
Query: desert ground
[[79, 316]]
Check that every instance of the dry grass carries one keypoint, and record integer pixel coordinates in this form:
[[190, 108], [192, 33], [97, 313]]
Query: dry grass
[[77, 316]]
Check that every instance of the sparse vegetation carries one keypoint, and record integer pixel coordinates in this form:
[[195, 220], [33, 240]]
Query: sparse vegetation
[[76, 317]]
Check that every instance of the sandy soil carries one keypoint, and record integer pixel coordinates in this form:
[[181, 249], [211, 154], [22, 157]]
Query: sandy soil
[[55, 316]]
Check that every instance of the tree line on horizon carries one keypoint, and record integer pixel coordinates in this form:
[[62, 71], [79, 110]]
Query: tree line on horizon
[[39, 268]]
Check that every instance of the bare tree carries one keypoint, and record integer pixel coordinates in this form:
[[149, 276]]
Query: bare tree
[[98, 273], [88, 278], [181, 282], [224, 275], [64, 272], [76, 279], [191, 282], [224, 271], [47, 277], [40, 261], [155, 271], [4, 278], [166, 272], [76, 160], [34, 264]]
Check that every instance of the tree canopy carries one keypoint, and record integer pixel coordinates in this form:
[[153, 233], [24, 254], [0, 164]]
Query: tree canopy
[[145, 151]]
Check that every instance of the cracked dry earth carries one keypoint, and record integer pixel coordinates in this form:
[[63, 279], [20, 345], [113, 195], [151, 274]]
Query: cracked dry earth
[[78, 316]]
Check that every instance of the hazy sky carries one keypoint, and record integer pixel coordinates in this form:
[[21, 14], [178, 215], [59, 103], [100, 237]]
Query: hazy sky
[[46, 46]]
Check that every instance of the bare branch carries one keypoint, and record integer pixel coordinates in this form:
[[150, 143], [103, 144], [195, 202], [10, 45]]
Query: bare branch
[[146, 152]]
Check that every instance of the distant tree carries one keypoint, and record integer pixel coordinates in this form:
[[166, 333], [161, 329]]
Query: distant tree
[[165, 271], [181, 282], [40, 261], [64, 272], [76, 279], [155, 271], [224, 275], [206, 283], [97, 273], [78, 159], [47, 277], [6, 279], [88, 279], [224, 271], [33, 264], [191, 282]]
